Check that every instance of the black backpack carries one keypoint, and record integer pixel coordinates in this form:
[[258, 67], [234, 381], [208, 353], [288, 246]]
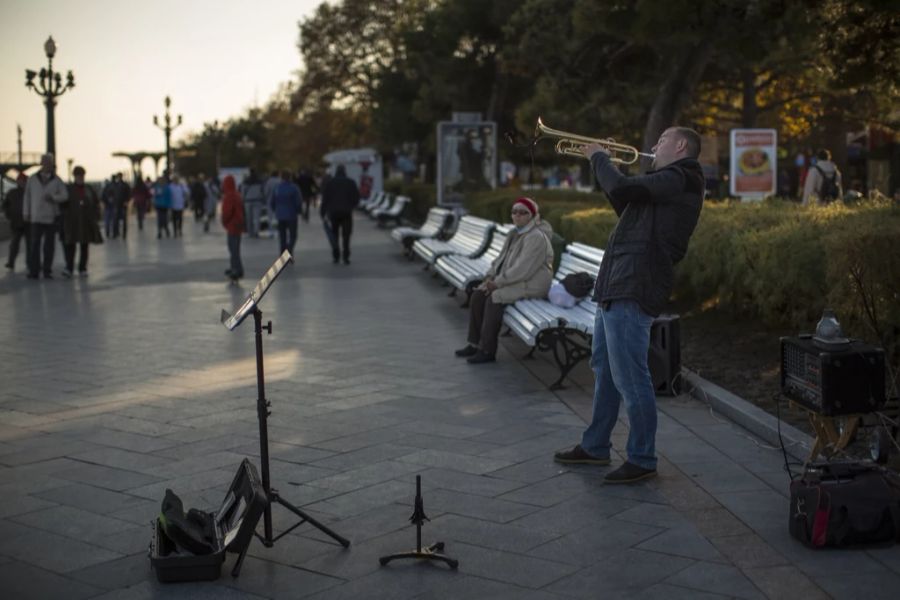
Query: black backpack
[[830, 189], [578, 285], [845, 504]]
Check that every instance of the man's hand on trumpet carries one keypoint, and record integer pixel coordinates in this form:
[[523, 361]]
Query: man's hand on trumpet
[[591, 149]]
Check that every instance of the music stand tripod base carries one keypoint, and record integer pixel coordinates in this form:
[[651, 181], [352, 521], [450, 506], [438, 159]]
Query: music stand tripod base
[[231, 322], [432, 552]]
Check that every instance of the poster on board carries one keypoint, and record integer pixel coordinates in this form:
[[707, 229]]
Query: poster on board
[[466, 161], [753, 163]]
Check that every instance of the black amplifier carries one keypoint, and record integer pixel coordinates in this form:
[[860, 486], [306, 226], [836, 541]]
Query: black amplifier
[[832, 382]]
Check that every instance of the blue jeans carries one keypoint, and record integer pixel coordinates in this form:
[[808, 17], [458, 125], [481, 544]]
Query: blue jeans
[[619, 360], [234, 253]]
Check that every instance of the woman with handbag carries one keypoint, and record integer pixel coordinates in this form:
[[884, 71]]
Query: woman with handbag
[[81, 216]]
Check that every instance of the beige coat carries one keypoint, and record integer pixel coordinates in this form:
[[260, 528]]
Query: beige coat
[[42, 199], [524, 267]]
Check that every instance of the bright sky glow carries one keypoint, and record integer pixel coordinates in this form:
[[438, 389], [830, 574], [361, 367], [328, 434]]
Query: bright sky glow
[[215, 58]]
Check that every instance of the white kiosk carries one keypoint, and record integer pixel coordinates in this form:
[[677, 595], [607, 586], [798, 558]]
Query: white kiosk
[[363, 166]]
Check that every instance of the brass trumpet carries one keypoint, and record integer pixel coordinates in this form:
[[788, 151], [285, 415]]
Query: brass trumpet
[[572, 144]]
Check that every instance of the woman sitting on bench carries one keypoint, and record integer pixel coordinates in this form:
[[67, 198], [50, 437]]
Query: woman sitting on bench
[[523, 269]]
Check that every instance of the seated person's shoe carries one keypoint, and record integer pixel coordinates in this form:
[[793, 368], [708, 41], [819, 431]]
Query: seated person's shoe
[[629, 473], [480, 357], [469, 350], [577, 456]]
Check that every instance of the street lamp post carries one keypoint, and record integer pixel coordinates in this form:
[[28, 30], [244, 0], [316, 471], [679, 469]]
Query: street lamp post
[[168, 128], [49, 87]]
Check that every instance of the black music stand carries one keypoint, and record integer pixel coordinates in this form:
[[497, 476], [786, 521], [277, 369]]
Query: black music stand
[[251, 306]]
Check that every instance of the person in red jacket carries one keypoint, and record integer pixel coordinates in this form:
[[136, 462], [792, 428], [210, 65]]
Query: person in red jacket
[[233, 220]]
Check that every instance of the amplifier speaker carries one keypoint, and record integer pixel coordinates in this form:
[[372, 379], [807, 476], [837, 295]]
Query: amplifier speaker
[[664, 357], [832, 382]]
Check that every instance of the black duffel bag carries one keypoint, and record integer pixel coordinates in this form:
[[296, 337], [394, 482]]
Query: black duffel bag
[[845, 503]]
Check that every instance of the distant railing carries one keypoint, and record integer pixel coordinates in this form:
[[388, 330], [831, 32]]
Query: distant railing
[[28, 158]]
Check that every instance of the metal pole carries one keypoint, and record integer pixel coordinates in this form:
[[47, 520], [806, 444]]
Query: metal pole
[[49, 102], [19, 144]]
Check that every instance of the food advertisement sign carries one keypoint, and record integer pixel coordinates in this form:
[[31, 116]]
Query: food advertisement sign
[[753, 162]]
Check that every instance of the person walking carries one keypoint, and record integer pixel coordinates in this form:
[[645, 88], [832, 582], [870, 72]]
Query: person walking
[[179, 194], [339, 197], [108, 199], [12, 209], [233, 221], [80, 223], [657, 212], [162, 201], [141, 196], [308, 190], [121, 196], [286, 206], [44, 192], [213, 191], [198, 196], [823, 181], [253, 194]]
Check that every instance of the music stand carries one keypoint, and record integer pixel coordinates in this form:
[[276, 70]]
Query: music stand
[[251, 306]]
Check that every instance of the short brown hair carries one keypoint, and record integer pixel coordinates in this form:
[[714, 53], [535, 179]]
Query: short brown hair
[[691, 138]]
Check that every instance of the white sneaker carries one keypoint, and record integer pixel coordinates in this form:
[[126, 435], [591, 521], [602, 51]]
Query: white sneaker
[[67, 273], [82, 273]]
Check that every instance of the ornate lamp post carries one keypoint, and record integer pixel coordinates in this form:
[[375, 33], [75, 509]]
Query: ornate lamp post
[[168, 128], [49, 87]]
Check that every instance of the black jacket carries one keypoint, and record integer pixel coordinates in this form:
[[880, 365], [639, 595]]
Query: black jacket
[[339, 197], [657, 215]]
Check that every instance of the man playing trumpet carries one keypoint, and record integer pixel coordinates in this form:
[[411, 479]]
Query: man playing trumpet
[[657, 214]]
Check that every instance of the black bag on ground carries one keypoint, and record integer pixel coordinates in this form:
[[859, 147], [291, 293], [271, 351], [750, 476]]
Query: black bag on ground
[[845, 503], [578, 284], [194, 531]]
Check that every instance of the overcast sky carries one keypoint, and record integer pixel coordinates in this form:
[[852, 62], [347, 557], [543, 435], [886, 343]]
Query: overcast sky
[[215, 58]]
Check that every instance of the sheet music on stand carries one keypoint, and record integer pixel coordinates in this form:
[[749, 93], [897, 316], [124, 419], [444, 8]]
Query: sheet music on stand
[[232, 321]]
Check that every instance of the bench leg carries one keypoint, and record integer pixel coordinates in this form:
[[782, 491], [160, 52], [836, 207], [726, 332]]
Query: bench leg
[[567, 352]]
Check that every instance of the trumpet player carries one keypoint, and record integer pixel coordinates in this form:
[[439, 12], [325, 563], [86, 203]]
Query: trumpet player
[[657, 214]]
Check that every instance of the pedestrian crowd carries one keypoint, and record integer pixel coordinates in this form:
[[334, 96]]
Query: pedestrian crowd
[[42, 207]]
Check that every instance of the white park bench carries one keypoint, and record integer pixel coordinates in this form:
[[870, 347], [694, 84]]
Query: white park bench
[[463, 272], [393, 213], [436, 225], [471, 239]]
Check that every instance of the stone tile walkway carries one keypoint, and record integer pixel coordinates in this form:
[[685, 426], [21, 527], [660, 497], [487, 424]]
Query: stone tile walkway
[[116, 387]]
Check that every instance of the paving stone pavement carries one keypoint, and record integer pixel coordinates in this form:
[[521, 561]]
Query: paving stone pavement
[[121, 385]]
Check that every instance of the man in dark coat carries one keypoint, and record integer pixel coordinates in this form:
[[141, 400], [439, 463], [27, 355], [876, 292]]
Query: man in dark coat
[[80, 223], [657, 215], [12, 208], [339, 197]]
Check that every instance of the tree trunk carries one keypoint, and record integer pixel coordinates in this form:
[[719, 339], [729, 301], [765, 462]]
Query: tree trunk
[[749, 108], [676, 91]]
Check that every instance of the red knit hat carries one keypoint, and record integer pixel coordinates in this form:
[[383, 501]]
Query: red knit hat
[[528, 203]]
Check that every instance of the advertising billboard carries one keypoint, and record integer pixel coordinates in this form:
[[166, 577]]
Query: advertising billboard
[[753, 162], [466, 159]]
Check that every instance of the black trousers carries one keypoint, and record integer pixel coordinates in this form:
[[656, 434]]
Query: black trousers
[[47, 232], [485, 321], [342, 226], [177, 220], [82, 257], [19, 234], [287, 234]]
